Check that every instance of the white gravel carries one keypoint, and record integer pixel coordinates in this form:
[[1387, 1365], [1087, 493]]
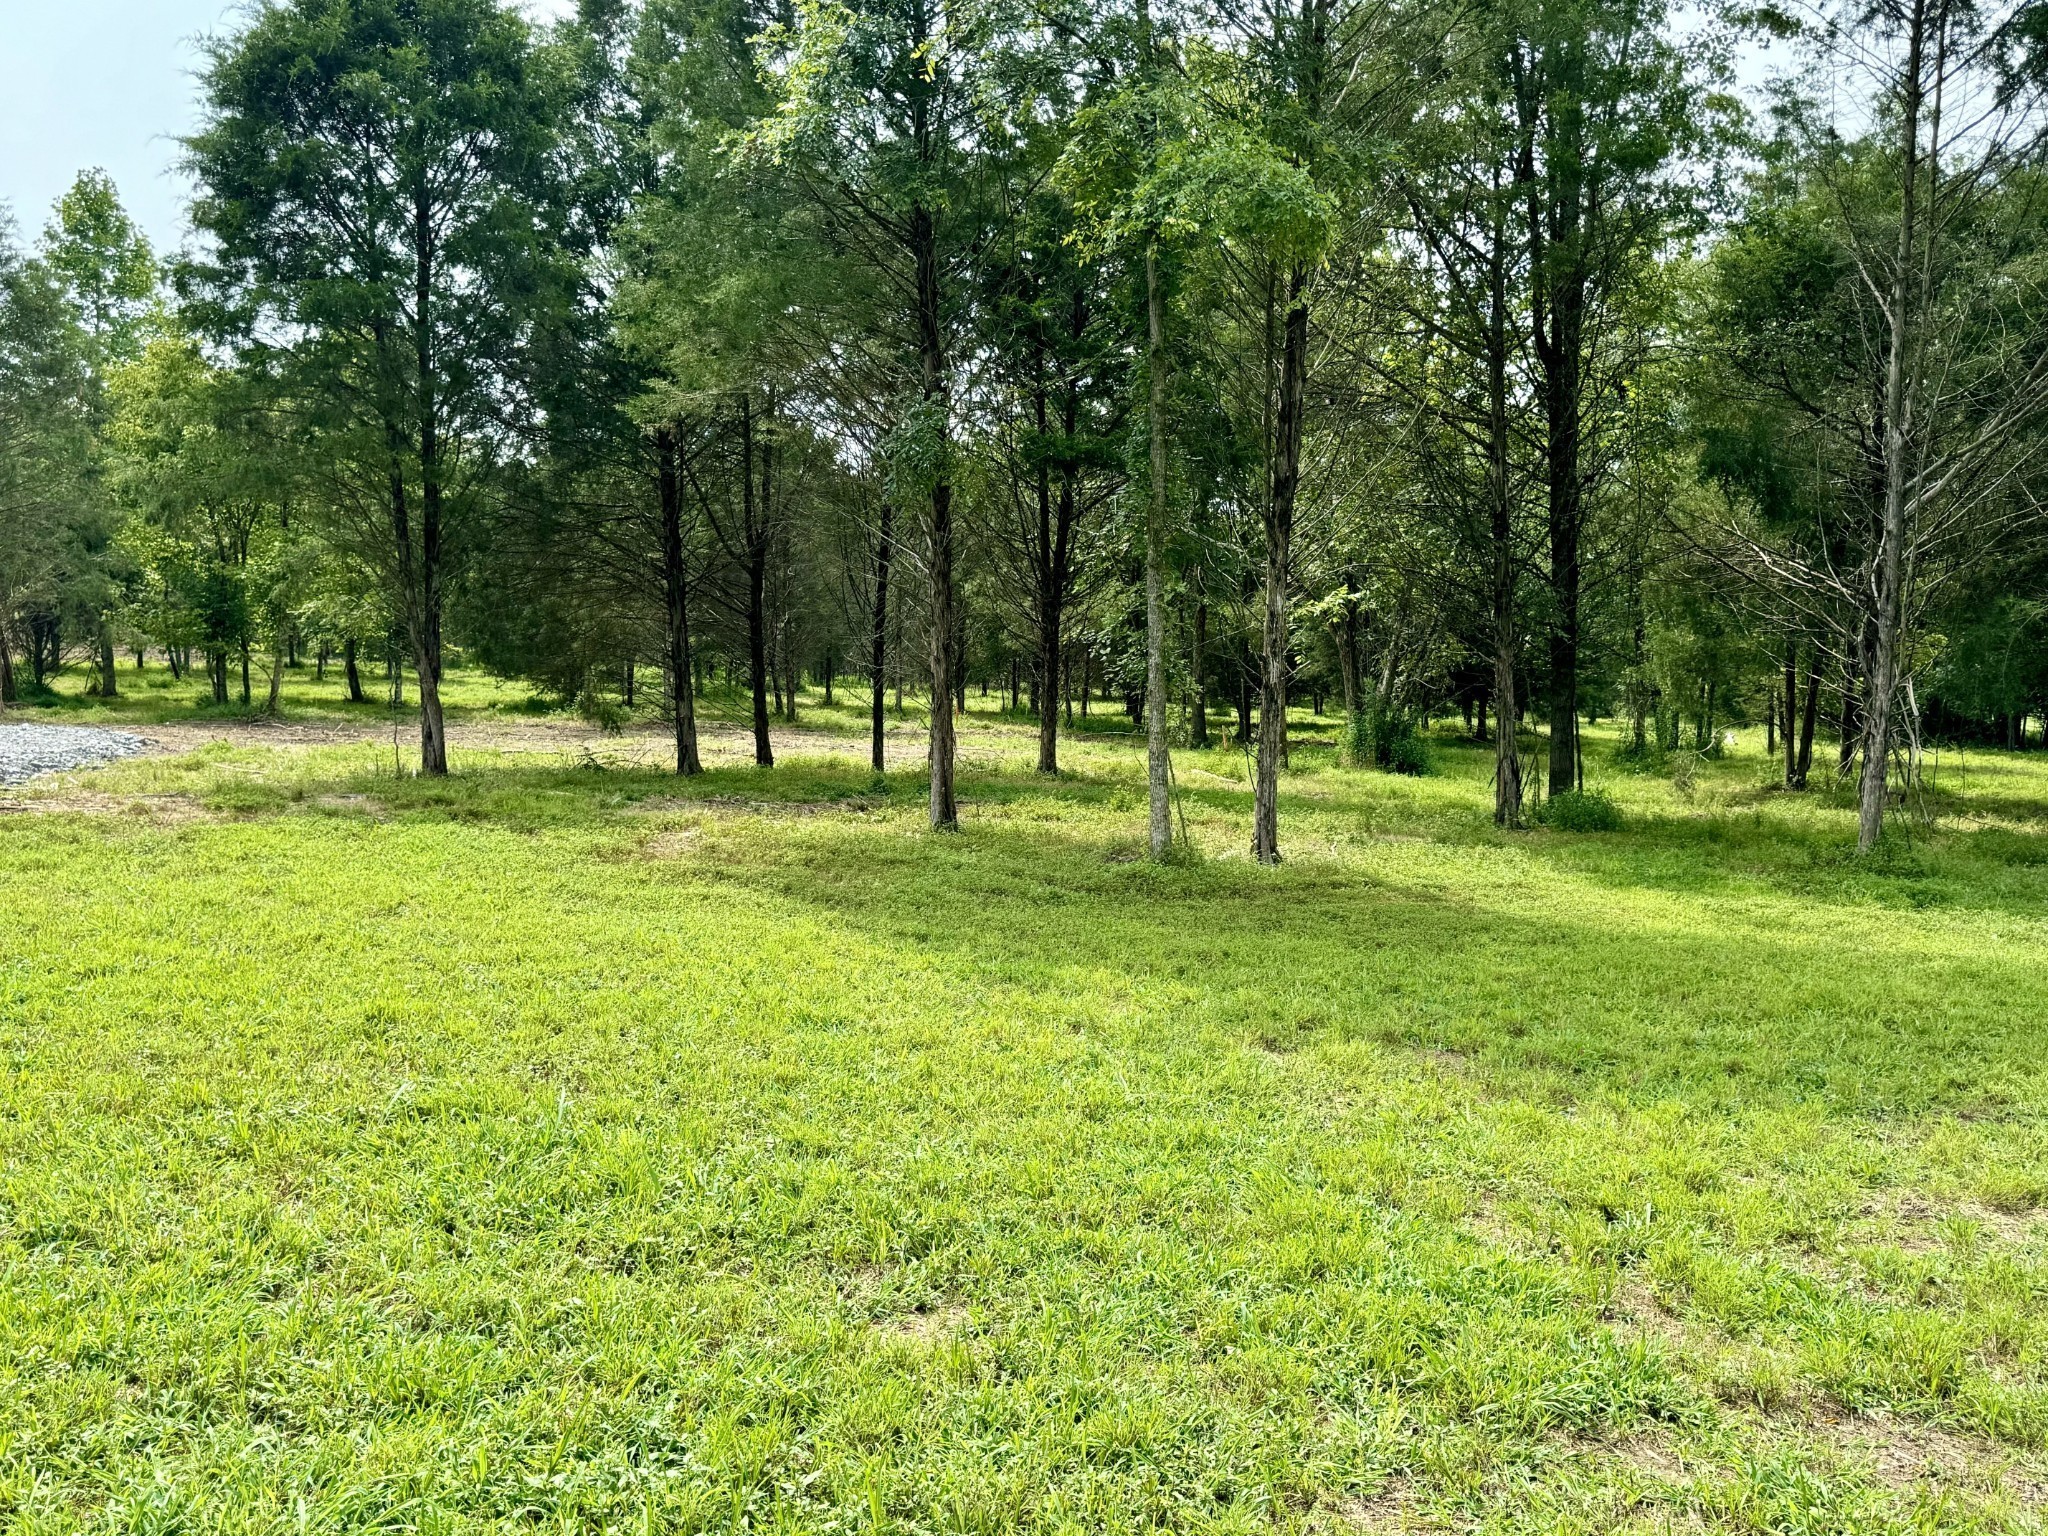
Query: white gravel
[[27, 750]]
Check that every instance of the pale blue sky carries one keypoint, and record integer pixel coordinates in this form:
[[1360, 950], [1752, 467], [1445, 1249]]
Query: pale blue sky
[[107, 83]]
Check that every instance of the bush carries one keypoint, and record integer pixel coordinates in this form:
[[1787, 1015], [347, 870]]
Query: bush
[[1392, 743], [1405, 753], [1580, 810], [1357, 749]]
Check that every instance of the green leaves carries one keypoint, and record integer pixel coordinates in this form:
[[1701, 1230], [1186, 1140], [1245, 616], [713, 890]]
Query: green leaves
[[1157, 164]]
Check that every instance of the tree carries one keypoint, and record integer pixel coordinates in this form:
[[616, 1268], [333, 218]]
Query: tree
[[44, 439], [1883, 350], [1605, 106], [1157, 175], [103, 266], [375, 178], [889, 116]]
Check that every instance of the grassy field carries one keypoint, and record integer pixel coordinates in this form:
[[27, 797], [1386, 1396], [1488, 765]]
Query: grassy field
[[566, 1147]]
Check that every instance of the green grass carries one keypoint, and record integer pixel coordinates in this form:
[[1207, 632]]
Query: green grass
[[151, 696], [567, 1147]]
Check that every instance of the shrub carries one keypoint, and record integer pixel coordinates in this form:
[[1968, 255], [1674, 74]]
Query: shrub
[[1404, 753], [1357, 750], [1647, 758], [1580, 810], [1393, 743]]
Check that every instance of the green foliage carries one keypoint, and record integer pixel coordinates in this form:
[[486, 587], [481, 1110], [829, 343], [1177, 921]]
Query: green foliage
[[1580, 810], [1393, 741], [104, 266]]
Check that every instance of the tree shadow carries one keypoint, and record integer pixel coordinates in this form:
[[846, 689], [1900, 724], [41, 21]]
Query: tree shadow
[[1562, 1004]]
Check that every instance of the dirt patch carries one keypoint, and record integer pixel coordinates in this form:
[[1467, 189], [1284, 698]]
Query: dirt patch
[[1635, 1309], [927, 1325], [1394, 1507], [1901, 1454]]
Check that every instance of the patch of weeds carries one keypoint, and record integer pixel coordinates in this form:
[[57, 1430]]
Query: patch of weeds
[[1581, 810]]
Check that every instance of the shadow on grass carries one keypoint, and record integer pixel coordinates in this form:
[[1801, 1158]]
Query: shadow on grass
[[1595, 983]]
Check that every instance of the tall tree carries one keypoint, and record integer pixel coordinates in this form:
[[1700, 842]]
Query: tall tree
[[45, 436], [104, 267], [1604, 104], [375, 179], [891, 115]]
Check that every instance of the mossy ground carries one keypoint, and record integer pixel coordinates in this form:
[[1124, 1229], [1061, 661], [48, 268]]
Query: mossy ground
[[566, 1146]]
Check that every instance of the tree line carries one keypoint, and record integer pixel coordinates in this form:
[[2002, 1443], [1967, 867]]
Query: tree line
[[1494, 358]]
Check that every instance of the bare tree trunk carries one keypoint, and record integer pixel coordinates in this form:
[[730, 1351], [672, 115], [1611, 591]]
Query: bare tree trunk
[[1052, 616], [1807, 719], [109, 685], [675, 591], [426, 614], [1279, 540], [1887, 577], [755, 547], [1160, 821], [1344, 632], [1791, 699], [1850, 729], [879, 640], [1507, 712], [944, 806], [277, 657]]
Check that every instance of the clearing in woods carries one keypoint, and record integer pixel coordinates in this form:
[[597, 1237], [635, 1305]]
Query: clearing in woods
[[566, 1146]]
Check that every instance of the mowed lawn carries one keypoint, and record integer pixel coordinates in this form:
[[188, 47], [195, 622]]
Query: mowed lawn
[[566, 1147]]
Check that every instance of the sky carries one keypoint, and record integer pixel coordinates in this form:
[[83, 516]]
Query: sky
[[108, 83]]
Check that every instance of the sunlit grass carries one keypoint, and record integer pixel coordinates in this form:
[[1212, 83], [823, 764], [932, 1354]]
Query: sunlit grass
[[566, 1144]]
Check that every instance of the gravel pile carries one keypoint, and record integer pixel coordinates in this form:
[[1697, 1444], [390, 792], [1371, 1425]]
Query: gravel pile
[[27, 750]]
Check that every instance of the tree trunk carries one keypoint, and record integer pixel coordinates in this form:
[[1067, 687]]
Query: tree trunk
[[879, 638], [1160, 819], [1279, 540], [349, 671], [425, 600], [675, 591], [1887, 579], [1344, 632], [1807, 719], [1791, 711], [110, 687], [1198, 664], [1507, 709], [755, 548], [1051, 640], [6, 669], [1848, 729], [944, 807]]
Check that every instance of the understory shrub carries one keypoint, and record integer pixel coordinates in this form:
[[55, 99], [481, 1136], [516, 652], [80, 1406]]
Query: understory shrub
[[1392, 742], [1580, 810]]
